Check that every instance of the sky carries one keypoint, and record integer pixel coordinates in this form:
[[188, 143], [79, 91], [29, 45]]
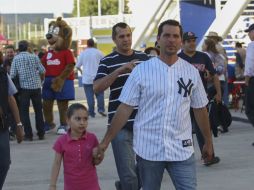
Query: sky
[[36, 6]]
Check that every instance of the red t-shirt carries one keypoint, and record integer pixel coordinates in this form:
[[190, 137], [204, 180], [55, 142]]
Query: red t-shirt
[[55, 62], [79, 171]]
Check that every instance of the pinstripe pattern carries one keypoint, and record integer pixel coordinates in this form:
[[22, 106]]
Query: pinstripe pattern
[[108, 65], [163, 119]]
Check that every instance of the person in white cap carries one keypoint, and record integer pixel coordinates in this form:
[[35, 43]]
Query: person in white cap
[[217, 39]]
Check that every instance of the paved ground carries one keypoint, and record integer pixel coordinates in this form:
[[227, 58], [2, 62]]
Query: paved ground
[[31, 161]]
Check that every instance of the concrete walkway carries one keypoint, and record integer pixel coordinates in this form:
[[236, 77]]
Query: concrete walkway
[[31, 161]]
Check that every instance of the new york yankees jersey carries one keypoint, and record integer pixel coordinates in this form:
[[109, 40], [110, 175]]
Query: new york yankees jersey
[[164, 95]]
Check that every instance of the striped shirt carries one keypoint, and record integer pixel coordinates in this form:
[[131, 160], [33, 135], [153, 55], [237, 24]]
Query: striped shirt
[[108, 65], [164, 95], [28, 67]]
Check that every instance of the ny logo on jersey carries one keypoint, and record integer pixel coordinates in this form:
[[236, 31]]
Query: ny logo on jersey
[[186, 87]]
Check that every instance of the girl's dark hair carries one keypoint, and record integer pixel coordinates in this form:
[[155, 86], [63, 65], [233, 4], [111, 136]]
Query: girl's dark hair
[[171, 23], [72, 108], [210, 45], [238, 45]]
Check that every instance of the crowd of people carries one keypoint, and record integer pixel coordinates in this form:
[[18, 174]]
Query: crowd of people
[[158, 99]]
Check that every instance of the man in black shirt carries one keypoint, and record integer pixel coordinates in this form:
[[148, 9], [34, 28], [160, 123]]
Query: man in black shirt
[[7, 100], [205, 66], [113, 71]]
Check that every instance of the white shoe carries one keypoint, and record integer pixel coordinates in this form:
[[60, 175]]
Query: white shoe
[[61, 130]]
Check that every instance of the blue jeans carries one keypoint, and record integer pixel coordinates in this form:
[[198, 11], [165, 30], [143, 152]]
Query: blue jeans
[[90, 99], [5, 156], [122, 146], [182, 173], [25, 97]]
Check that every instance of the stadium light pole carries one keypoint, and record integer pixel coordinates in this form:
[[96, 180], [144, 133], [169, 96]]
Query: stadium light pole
[[78, 9], [16, 23], [99, 7], [78, 17]]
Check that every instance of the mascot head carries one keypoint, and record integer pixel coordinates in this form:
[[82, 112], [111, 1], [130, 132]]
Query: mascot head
[[59, 34]]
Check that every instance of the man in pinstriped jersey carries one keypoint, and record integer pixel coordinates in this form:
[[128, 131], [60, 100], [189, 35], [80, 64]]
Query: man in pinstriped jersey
[[164, 88]]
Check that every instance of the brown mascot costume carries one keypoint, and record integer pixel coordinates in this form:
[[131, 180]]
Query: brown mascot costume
[[59, 64]]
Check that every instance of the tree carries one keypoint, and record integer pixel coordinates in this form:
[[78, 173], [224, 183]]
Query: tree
[[90, 7]]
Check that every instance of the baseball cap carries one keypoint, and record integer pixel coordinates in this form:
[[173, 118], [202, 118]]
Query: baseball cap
[[189, 35], [251, 27]]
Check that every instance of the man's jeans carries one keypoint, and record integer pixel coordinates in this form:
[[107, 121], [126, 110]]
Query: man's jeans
[[4, 156], [249, 101], [90, 99], [182, 173], [122, 146], [35, 96]]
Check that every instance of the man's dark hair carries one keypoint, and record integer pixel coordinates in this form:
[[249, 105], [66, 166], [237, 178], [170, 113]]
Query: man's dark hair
[[171, 23], [90, 42], [23, 45], [10, 47], [120, 25]]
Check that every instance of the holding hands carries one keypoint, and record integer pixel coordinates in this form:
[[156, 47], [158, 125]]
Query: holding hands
[[98, 154]]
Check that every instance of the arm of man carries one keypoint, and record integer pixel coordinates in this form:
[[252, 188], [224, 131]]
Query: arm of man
[[202, 119], [14, 109], [216, 83], [215, 78], [249, 63], [79, 62], [247, 79], [13, 70], [121, 116], [102, 84], [41, 69]]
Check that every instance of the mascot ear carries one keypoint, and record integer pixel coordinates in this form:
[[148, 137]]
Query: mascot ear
[[59, 19]]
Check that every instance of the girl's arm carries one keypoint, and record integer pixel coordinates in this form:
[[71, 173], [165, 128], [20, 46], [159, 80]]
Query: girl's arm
[[55, 171]]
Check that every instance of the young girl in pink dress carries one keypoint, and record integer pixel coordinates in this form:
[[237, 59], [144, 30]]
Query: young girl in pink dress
[[74, 149]]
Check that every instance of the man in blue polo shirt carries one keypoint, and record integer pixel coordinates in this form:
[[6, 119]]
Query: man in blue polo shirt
[[204, 65]]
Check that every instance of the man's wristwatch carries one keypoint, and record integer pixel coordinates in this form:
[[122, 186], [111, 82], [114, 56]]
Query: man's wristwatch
[[19, 124]]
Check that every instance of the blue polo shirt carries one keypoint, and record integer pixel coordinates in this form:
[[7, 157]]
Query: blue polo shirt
[[202, 62]]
